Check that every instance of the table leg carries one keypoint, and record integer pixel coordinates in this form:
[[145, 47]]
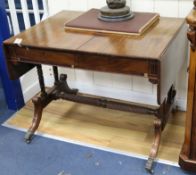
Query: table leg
[[159, 125], [155, 145], [56, 74], [62, 90], [36, 119], [39, 104], [46, 97], [41, 80]]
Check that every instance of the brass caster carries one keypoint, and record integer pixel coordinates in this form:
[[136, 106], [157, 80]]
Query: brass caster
[[28, 137], [149, 165]]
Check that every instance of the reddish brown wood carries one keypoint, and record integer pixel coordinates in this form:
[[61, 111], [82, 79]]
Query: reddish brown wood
[[187, 159], [110, 64], [72, 95], [16, 69], [40, 103], [61, 90], [43, 43], [191, 34], [159, 125], [193, 131], [151, 55], [155, 145], [36, 119]]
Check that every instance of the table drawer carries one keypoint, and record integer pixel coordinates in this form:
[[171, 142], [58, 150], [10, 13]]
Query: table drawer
[[53, 57], [110, 64]]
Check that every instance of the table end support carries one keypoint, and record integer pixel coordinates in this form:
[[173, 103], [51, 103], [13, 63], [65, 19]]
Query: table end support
[[64, 87], [45, 97], [155, 145], [38, 108], [159, 125]]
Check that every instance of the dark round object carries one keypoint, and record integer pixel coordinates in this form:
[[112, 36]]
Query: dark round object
[[116, 18], [115, 15], [115, 4], [105, 11]]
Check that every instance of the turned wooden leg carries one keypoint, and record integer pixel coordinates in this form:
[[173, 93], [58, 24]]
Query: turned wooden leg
[[56, 75], [41, 80], [155, 145]]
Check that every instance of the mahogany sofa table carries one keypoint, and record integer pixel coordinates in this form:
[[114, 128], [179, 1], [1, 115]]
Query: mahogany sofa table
[[158, 55]]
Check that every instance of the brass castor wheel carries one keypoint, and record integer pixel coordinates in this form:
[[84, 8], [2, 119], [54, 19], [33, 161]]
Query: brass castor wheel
[[149, 165], [28, 137]]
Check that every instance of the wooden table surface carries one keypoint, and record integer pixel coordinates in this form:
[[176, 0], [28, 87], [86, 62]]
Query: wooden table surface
[[147, 55], [51, 34]]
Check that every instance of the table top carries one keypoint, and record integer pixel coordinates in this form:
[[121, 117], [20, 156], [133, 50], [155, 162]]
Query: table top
[[51, 34]]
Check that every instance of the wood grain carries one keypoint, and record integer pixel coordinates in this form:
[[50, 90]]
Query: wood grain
[[149, 55], [187, 158], [48, 43], [50, 34]]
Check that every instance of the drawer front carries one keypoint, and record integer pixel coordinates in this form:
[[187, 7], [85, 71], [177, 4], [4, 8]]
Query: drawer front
[[52, 57], [113, 65], [83, 61]]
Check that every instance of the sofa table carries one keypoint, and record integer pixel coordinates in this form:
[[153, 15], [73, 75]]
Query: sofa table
[[157, 55]]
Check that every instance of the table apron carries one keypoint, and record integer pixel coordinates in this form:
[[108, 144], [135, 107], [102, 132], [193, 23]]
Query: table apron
[[87, 61]]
